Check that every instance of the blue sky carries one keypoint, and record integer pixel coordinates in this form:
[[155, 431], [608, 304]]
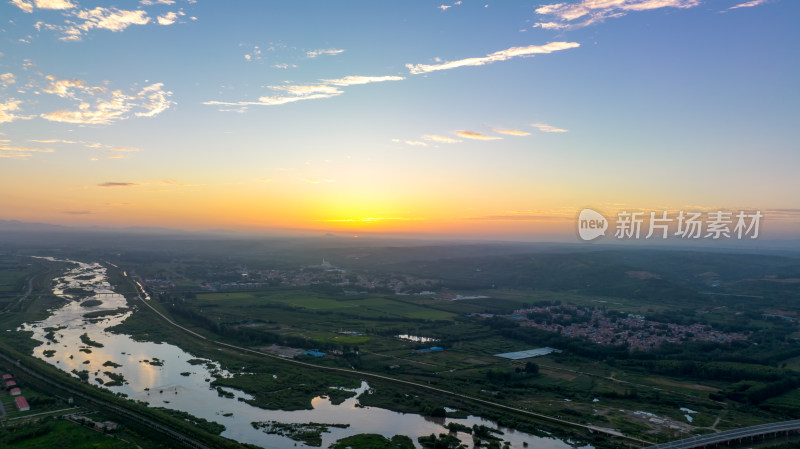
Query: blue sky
[[395, 116]]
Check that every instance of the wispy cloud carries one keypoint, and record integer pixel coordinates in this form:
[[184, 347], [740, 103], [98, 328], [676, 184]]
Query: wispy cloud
[[476, 135], [547, 128], [111, 19], [42, 4], [356, 80], [52, 141], [157, 2], [8, 78], [502, 55], [76, 212], [98, 105], [169, 18], [329, 88], [749, 4], [54, 4], [446, 7], [153, 99], [112, 184], [415, 143], [69, 88], [254, 54], [99, 150], [566, 15], [326, 88], [511, 132], [8, 111], [300, 92], [323, 52], [440, 139], [23, 5], [114, 153], [16, 152], [78, 22]]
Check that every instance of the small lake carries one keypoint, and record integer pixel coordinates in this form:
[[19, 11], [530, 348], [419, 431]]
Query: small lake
[[161, 375]]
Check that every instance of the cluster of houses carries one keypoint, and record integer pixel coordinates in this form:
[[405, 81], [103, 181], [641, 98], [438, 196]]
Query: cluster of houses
[[99, 425], [14, 390]]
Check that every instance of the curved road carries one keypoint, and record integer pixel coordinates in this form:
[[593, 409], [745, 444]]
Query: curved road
[[731, 435], [608, 432]]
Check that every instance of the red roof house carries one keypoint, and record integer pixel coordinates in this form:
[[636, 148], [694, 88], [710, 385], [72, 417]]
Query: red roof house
[[15, 392], [10, 384], [22, 403], [7, 377]]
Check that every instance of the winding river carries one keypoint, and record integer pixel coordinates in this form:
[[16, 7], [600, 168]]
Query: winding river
[[162, 376]]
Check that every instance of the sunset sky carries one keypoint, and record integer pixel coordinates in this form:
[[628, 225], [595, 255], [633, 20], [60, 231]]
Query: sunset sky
[[496, 119]]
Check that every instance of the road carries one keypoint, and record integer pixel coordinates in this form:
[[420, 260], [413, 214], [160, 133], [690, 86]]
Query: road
[[594, 429], [23, 297], [71, 409], [732, 435]]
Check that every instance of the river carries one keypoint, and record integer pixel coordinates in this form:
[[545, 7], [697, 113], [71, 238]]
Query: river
[[161, 375]]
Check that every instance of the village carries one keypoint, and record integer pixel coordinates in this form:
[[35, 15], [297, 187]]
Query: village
[[637, 332]]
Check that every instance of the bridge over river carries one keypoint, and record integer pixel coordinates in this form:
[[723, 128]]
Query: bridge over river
[[735, 436]]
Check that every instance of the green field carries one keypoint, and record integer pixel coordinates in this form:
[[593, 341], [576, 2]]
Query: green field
[[365, 306]]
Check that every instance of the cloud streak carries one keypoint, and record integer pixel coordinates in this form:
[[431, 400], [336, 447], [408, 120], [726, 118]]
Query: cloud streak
[[357, 80], [547, 128], [511, 132], [114, 184], [564, 16], [749, 4], [502, 55], [326, 88], [476, 135], [323, 52], [16, 152], [440, 139], [329, 88]]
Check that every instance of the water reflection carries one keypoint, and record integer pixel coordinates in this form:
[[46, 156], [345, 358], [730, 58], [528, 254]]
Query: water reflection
[[161, 375]]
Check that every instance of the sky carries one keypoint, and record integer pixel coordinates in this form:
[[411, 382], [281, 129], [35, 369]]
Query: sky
[[488, 119]]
